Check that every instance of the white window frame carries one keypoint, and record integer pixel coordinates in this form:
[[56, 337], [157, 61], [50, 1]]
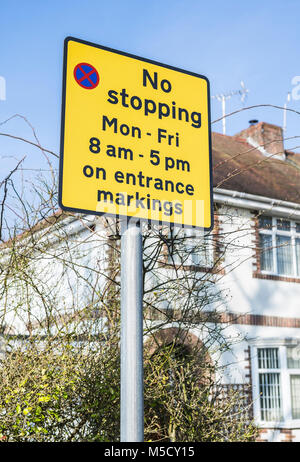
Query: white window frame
[[287, 420], [277, 232]]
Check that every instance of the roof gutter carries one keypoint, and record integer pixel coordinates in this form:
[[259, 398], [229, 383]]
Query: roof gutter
[[254, 202]]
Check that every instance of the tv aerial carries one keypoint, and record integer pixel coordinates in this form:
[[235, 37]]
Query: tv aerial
[[222, 97], [288, 99]]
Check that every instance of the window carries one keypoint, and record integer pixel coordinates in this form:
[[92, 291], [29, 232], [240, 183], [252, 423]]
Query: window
[[295, 396], [279, 241], [293, 365], [269, 384], [189, 247], [277, 384]]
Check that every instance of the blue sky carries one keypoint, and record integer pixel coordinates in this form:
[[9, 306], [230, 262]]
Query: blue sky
[[256, 41]]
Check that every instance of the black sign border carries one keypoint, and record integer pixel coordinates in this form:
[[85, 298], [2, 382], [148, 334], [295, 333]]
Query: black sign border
[[62, 132]]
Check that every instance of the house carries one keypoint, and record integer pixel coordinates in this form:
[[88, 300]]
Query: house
[[257, 228], [259, 182]]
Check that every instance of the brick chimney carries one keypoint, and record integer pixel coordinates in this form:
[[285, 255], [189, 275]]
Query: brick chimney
[[267, 138]]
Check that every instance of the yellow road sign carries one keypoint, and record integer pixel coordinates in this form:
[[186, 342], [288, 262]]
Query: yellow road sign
[[135, 138]]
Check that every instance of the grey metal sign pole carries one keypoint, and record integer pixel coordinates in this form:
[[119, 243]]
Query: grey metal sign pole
[[132, 395]]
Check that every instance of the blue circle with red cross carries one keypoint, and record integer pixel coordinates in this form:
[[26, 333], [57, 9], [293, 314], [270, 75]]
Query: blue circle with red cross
[[86, 76]]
